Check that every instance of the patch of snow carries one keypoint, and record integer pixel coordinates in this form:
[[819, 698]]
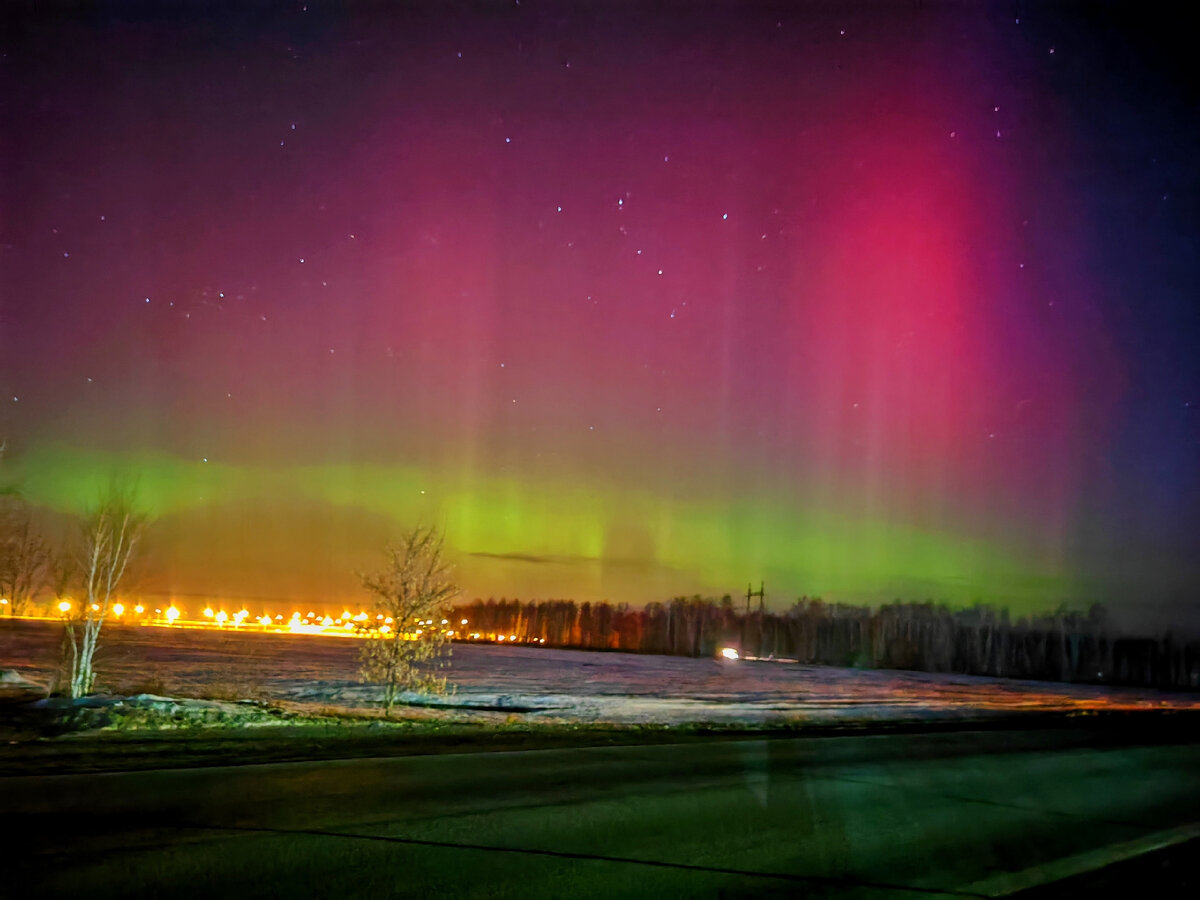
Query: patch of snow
[[578, 686]]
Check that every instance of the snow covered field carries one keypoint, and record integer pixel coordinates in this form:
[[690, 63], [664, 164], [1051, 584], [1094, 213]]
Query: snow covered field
[[558, 685]]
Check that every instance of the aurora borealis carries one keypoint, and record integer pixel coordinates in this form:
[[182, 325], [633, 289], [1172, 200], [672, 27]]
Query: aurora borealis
[[865, 301]]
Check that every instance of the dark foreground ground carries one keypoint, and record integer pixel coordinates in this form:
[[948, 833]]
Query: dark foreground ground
[[957, 813]]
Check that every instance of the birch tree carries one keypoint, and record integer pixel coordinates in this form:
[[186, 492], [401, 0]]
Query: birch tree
[[412, 593], [110, 535]]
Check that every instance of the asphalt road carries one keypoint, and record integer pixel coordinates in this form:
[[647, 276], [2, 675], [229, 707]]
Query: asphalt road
[[968, 814]]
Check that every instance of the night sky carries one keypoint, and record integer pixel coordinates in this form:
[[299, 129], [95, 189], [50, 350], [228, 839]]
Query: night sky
[[866, 301]]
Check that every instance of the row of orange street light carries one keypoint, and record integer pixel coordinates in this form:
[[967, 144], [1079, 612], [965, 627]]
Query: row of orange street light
[[345, 625]]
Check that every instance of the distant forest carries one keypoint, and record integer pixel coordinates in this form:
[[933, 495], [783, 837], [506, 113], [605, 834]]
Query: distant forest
[[927, 637]]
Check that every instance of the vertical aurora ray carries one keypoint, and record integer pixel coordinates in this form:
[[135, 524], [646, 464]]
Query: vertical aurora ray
[[819, 299]]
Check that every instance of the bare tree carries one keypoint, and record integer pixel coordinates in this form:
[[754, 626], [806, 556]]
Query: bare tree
[[109, 538], [412, 592], [24, 555]]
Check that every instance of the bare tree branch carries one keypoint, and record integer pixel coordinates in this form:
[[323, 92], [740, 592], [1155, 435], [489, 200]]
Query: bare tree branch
[[412, 593], [110, 535], [24, 556]]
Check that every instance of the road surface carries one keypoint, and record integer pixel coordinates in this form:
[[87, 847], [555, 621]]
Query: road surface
[[953, 814]]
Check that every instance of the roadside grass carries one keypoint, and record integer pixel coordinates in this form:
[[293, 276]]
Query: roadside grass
[[139, 739], [312, 737]]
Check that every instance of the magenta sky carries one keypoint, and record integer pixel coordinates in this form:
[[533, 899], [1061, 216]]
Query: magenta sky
[[864, 301]]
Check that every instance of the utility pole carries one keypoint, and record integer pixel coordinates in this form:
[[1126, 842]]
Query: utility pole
[[761, 595]]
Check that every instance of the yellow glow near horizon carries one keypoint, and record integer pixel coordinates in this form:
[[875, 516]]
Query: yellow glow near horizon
[[359, 625]]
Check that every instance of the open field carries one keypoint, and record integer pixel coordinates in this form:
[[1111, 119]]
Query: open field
[[540, 685]]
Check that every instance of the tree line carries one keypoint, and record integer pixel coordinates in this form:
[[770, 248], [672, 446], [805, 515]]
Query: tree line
[[1064, 645]]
